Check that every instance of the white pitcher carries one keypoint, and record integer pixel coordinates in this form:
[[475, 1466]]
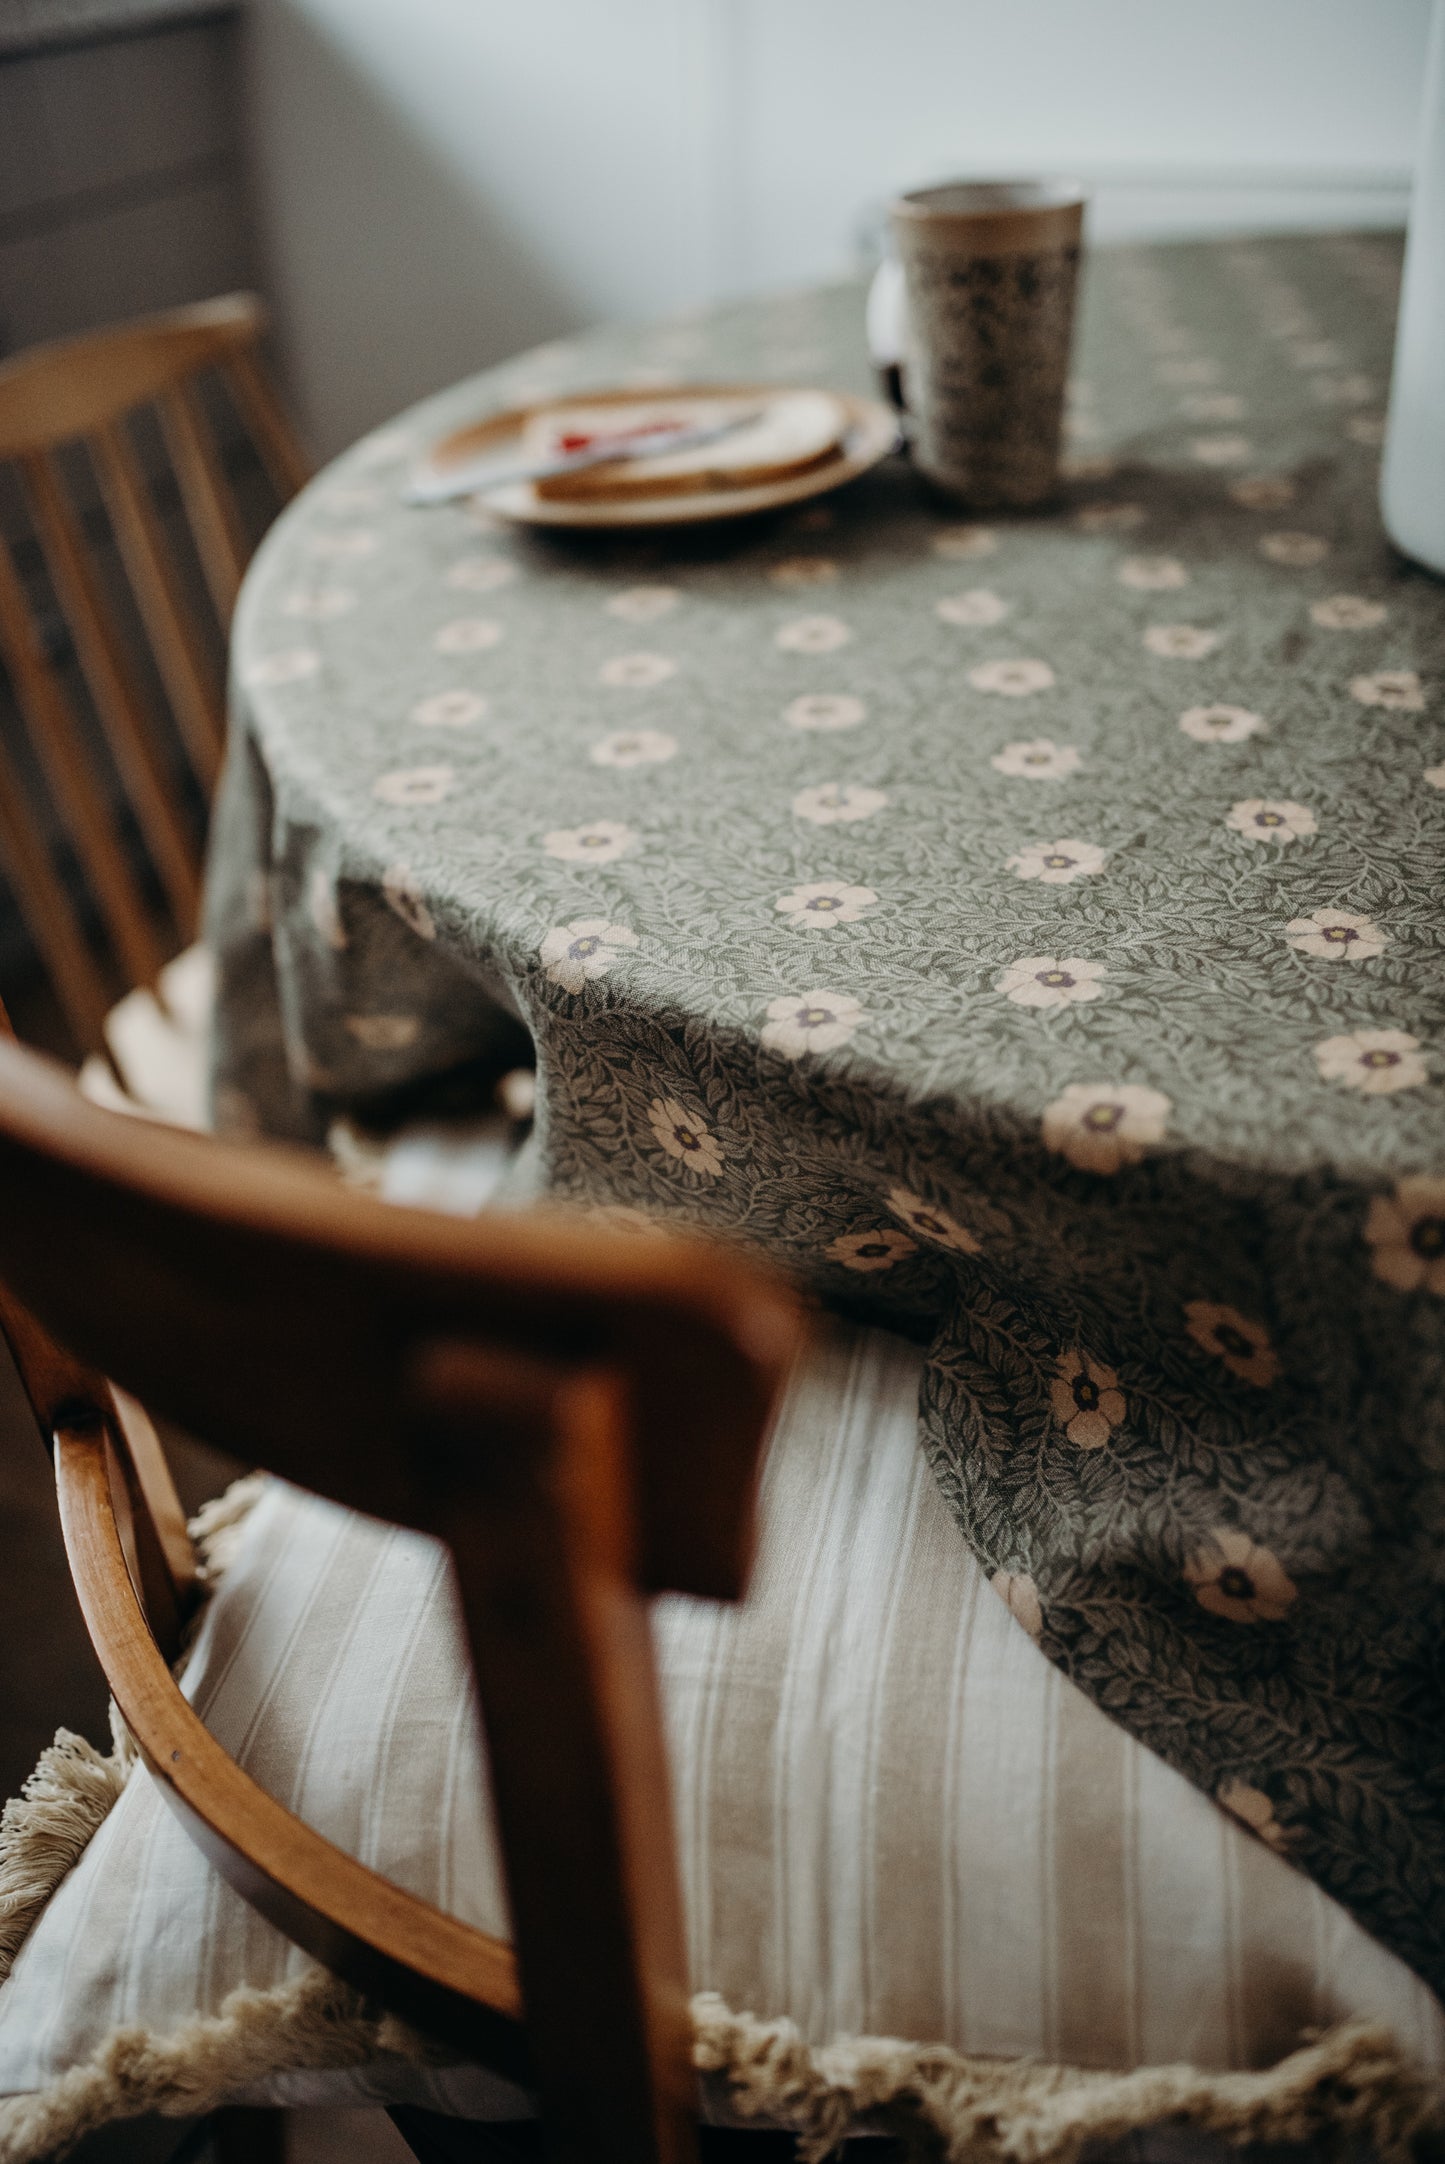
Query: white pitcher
[[1412, 480]]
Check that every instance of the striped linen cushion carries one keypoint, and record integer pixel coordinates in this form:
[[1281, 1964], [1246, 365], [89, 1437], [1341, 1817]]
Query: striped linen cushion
[[895, 1816]]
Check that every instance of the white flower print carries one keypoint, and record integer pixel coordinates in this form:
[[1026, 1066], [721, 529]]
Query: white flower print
[[468, 635], [384, 1032], [1020, 1596], [867, 1251], [1198, 370], [960, 544], [1099, 1126], [598, 842], [1263, 491], [685, 1137], [812, 635], [1013, 679], [1109, 517], [1346, 390], [1297, 550], [1348, 612], [1040, 758], [1366, 428], [1234, 1577], [799, 571], [1407, 1232], [516, 1094], [1086, 1400], [1376, 1061], [1213, 406], [1282, 320], [1219, 724], [480, 574], [930, 1223], [1315, 353], [318, 604], [346, 541], [448, 710], [1058, 864], [636, 672], [290, 667], [1338, 935], [825, 710], [1270, 819], [634, 747], [1242, 1345], [414, 785], [322, 909], [1397, 689], [838, 802], [575, 952], [401, 891], [1042, 981], [802, 1022], [1253, 1808], [979, 606], [1435, 775], [1221, 450], [822, 903], [643, 604], [1180, 642], [1152, 574]]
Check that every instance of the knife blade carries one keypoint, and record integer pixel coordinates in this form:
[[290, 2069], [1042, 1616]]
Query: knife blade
[[478, 475]]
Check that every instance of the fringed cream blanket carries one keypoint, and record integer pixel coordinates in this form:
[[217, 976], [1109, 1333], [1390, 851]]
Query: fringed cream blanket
[[846, 1438]]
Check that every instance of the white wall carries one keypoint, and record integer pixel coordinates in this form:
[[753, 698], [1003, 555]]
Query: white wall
[[444, 181]]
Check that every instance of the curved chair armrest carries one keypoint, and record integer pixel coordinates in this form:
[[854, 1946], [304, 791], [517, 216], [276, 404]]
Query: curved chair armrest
[[453, 1982]]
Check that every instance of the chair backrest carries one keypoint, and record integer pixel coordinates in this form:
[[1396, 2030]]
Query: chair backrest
[[147, 645], [578, 1412]]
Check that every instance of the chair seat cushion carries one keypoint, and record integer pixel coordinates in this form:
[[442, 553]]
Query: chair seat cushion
[[896, 1818]]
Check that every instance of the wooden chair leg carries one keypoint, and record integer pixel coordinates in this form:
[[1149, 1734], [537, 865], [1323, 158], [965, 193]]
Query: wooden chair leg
[[248, 2137]]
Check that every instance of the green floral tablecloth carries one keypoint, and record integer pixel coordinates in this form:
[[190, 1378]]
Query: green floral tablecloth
[[1033, 933]]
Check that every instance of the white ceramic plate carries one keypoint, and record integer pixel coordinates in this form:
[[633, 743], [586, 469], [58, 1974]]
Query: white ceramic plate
[[871, 433]]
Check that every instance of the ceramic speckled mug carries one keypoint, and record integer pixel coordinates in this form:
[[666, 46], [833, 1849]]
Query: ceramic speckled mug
[[989, 270]]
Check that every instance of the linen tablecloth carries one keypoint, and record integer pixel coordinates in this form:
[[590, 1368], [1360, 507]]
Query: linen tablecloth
[[1032, 933]]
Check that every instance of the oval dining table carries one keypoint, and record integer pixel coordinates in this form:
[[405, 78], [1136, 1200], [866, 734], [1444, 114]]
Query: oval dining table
[[1030, 931]]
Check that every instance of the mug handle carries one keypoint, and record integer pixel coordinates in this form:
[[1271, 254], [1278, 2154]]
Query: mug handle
[[887, 322]]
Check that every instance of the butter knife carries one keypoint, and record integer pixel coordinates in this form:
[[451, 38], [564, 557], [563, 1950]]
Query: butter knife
[[477, 475]]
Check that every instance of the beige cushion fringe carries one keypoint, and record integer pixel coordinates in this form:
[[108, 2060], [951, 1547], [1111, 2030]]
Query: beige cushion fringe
[[1350, 2084], [46, 1828]]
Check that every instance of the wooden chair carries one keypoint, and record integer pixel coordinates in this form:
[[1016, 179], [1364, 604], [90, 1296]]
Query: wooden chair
[[577, 1412], [134, 842]]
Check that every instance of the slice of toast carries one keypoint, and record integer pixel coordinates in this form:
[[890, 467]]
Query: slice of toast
[[794, 430]]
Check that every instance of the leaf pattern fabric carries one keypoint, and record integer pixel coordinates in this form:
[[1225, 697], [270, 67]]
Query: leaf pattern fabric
[[1030, 933]]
